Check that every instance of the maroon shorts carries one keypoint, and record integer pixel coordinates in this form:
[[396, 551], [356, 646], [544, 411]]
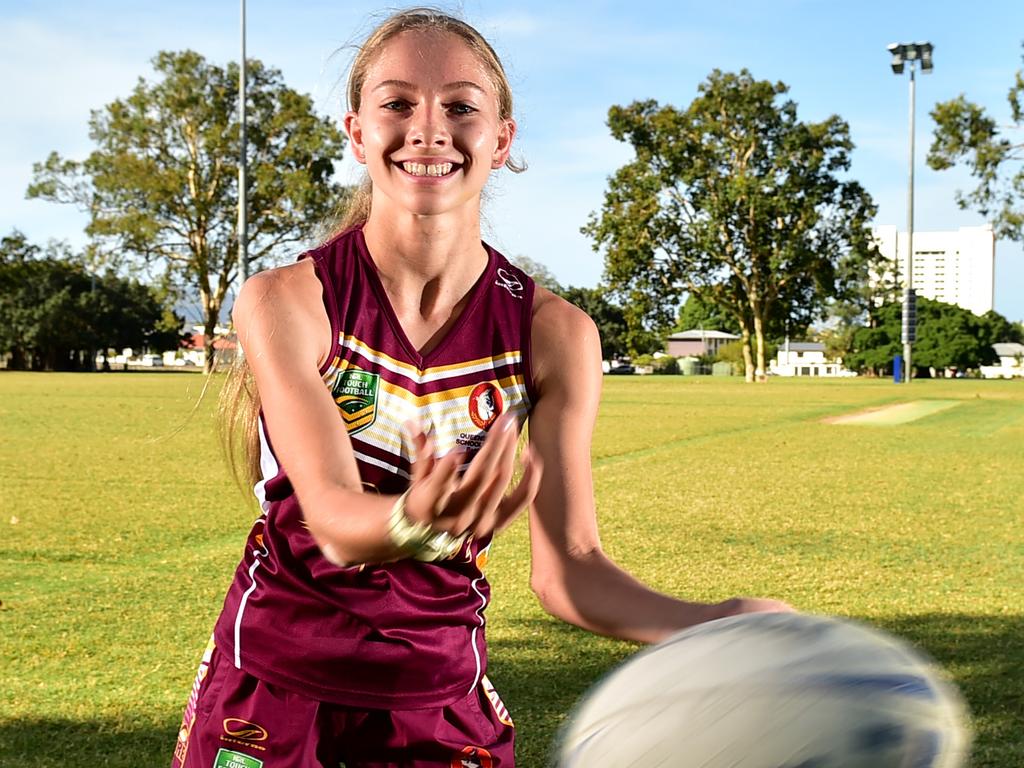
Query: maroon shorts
[[234, 720]]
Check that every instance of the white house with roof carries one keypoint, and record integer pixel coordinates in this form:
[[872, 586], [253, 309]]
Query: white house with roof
[[805, 358], [1011, 362], [697, 342]]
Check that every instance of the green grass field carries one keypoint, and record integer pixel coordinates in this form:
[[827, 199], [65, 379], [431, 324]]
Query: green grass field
[[121, 531]]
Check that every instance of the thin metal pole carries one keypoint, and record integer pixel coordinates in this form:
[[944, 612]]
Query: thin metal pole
[[907, 344], [243, 224]]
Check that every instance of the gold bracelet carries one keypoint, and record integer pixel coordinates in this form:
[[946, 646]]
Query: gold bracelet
[[418, 539]]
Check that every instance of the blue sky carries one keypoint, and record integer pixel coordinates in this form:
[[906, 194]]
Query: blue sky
[[568, 63]]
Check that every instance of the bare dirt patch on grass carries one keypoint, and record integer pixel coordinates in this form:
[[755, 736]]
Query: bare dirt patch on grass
[[891, 415]]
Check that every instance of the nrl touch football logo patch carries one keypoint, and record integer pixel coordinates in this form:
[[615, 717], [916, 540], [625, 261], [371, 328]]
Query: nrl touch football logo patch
[[355, 393]]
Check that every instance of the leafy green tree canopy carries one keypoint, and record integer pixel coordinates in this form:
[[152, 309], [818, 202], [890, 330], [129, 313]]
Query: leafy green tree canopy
[[948, 336], [161, 187], [736, 201], [697, 313], [966, 133], [54, 314]]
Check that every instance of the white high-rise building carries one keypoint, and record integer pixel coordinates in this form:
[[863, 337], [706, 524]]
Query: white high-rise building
[[957, 267]]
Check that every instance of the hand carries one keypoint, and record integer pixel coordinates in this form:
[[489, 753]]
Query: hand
[[738, 605], [474, 503]]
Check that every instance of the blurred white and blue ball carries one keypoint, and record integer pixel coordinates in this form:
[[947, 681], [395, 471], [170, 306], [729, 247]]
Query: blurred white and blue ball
[[770, 690]]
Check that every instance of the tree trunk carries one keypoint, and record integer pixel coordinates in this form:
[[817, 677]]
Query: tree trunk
[[211, 308], [759, 335], [209, 334], [748, 362]]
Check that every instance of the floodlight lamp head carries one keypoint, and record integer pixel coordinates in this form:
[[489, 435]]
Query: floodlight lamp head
[[897, 51], [926, 56]]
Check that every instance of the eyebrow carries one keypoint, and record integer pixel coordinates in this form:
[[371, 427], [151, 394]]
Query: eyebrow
[[447, 87]]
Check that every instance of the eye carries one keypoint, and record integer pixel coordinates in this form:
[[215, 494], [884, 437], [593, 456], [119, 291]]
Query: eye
[[461, 108], [395, 105]]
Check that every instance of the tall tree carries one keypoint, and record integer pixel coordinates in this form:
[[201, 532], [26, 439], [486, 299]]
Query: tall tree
[[966, 133], [736, 201], [161, 187]]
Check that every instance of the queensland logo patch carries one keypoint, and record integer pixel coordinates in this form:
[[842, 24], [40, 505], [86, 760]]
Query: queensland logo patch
[[473, 757], [485, 404], [355, 393]]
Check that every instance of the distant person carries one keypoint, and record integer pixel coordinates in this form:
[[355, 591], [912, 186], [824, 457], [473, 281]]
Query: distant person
[[394, 367]]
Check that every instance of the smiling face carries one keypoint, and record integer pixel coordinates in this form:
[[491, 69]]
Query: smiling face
[[427, 127]]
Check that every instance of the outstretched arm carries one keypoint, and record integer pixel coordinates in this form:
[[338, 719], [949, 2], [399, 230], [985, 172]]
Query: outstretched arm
[[571, 575]]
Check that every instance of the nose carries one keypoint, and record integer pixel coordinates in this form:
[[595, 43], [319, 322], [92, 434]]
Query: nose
[[428, 128]]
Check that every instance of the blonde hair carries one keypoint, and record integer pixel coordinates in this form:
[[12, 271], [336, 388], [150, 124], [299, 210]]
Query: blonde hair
[[239, 402], [355, 209]]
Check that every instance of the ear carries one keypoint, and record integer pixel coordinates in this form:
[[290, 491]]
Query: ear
[[506, 132], [355, 136]]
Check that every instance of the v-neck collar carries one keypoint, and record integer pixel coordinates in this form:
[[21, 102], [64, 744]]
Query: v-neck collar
[[422, 361]]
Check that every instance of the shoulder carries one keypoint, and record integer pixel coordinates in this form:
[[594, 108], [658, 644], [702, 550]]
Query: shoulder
[[277, 289], [565, 341], [284, 302]]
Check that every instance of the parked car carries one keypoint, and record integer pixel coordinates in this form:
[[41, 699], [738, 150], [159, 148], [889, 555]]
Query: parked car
[[621, 367]]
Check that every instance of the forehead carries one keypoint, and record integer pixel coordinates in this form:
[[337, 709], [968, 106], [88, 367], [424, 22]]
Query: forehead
[[428, 59]]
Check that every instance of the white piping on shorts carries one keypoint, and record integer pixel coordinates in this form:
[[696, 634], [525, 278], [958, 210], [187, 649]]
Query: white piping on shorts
[[241, 610], [472, 637], [269, 468]]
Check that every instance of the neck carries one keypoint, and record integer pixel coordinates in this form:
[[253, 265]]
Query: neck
[[431, 247], [427, 264]]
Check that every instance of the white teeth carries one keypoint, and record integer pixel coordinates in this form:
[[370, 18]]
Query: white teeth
[[419, 169]]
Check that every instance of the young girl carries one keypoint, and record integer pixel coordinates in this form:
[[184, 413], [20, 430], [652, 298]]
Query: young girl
[[395, 366]]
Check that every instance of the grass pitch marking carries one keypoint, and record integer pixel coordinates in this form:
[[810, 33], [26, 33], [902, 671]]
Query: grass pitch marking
[[891, 415]]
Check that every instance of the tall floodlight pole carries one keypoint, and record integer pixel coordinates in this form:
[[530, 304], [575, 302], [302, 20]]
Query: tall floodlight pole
[[902, 53], [243, 224]]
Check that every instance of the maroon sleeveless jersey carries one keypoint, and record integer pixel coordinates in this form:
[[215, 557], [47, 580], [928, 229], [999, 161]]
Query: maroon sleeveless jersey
[[404, 634]]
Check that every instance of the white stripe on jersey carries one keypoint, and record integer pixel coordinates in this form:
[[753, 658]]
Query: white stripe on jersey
[[430, 374]]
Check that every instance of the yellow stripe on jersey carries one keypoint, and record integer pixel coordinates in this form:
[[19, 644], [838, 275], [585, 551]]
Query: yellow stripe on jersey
[[445, 395], [427, 374]]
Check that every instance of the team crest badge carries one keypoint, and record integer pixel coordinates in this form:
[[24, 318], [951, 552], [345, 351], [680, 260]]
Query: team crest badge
[[473, 757], [355, 392], [485, 404]]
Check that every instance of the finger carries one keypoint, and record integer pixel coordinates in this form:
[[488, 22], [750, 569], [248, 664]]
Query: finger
[[489, 509], [494, 492], [430, 494], [474, 503], [423, 445], [497, 438], [485, 465], [424, 464], [523, 494]]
